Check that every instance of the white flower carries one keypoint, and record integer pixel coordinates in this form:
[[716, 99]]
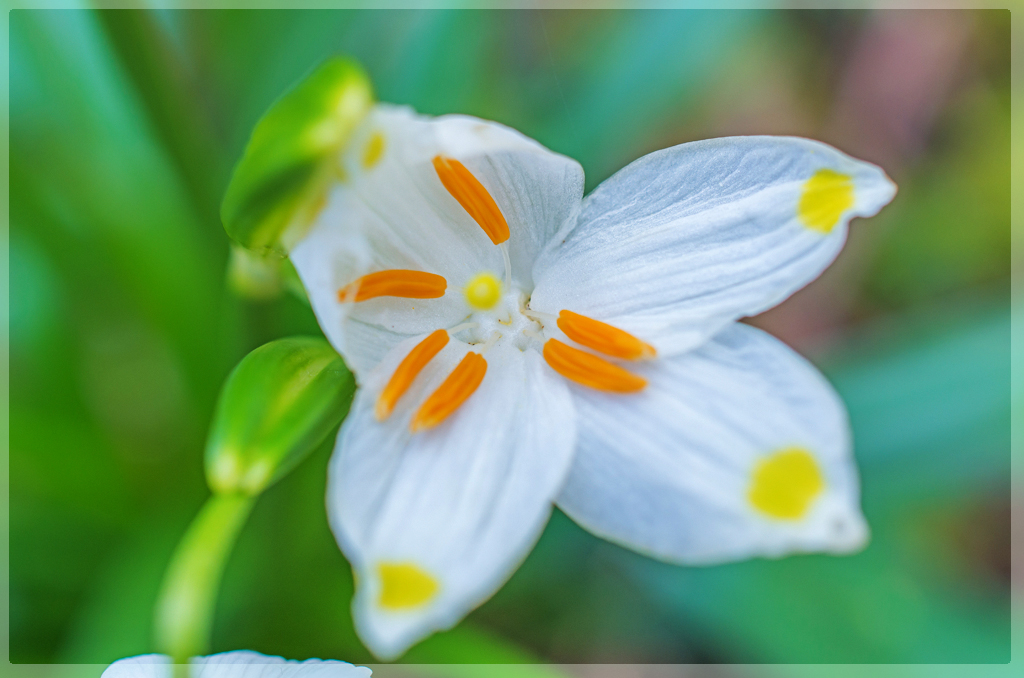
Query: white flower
[[518, 348], [240, 664]]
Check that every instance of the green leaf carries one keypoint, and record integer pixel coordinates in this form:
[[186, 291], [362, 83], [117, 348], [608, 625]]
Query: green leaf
[[289, 158], [93, 186], [277, 405], [469, 651]]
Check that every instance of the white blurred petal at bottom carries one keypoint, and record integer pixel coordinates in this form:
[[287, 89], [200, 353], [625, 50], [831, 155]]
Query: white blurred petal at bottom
[[238, 664]]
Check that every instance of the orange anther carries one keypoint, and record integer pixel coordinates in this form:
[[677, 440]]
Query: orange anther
[[454, 391], [395, 283], [588, 369], [407, 371], [603, 337], [473, 197]]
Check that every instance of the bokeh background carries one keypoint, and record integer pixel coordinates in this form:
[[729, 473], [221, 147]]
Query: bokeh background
[[125, 318]]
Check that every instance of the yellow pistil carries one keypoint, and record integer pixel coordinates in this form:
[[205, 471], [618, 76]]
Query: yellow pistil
[[603, 337], [785, 483], [407, 371], [394, 283], [473, 197], [825, 197], [404, 586], [449, 396], [483, 291], [589, 370]]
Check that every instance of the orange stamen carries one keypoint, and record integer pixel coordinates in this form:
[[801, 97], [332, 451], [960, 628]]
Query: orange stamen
[[459, 385], [589, 370], [473, 197], [407, 371], [603, 337], [395, 283]]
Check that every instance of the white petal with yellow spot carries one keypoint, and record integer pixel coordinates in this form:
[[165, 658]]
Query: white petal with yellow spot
[[737, 449], [434, 522], [685, 240]]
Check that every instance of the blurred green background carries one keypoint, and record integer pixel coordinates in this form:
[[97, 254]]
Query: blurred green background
[[123, 324]]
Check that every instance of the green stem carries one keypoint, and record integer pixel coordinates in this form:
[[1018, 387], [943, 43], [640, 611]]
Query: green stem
[[184, 611]]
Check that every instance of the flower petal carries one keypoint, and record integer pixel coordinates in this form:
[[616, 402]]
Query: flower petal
[[239, 664], [391, 211], [738, 449], [687, 239], [434, 522]]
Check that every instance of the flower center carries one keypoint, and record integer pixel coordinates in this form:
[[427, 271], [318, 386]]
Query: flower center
[[506, 322], [498, 316]]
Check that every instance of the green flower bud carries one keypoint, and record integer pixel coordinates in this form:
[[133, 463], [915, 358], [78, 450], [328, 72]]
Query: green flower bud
[[275, 407], [281, 180]]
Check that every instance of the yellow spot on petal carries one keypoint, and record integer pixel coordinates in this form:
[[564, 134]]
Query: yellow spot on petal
[[785, 483], [404, 586], [826, 196], [483, 291], [374, 150]]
